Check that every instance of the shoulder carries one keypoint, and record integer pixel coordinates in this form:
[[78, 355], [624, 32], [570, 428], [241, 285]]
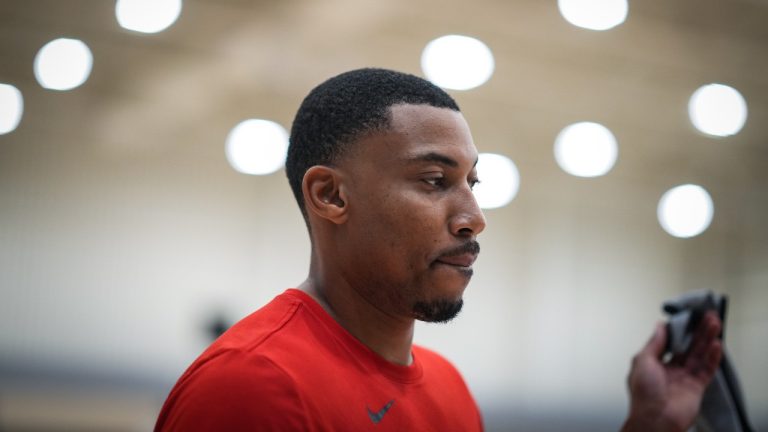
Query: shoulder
[[233, 391], [258, 327], [439, 369], [451, 389], [431, 359], [238, 382]]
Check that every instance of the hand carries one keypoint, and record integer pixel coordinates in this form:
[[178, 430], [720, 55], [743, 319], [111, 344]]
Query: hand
[[665, 396]]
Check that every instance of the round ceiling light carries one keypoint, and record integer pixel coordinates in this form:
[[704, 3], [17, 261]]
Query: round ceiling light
[[257, 147], [717, 110], [11, 108], [685, 211], [499, 180], [586, 149], [63, 64], [457, 62]]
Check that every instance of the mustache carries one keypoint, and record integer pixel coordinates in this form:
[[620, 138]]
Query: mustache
[[470, 247]]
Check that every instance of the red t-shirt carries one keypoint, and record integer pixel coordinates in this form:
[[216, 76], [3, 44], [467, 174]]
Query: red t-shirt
[[291, 367]]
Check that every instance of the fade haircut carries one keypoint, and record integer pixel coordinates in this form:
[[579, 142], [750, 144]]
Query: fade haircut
[[345, 108]]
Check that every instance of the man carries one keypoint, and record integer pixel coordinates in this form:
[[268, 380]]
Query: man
[[382, 165]]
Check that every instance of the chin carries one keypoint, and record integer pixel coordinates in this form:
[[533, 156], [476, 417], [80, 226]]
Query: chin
[[441, 299], [450, 287], [440, 311]]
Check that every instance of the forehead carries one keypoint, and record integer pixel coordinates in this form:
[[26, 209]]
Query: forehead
[[424, 123], [416, 129]]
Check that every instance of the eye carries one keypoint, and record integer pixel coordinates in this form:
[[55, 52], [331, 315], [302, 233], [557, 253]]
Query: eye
[[473, 182], [436, 182]]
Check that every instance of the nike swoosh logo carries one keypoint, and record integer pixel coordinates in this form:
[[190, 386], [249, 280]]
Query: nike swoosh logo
[[377, 416]]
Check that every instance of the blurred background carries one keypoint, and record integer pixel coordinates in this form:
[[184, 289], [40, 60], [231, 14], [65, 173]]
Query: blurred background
[[130, 235]]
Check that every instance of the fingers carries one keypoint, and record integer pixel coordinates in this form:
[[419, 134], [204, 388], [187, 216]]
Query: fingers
[[714, 355], [704, 356], [653, 350], [704, 367], [658, 341], [705, 334]]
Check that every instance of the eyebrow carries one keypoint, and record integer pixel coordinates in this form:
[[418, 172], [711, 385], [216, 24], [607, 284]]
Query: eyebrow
[[436, 157]]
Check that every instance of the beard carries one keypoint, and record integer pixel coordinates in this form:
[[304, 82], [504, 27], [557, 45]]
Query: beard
[[439, 311]]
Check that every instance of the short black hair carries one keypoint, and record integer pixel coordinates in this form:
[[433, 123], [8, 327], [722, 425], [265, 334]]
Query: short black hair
[[347, 107]]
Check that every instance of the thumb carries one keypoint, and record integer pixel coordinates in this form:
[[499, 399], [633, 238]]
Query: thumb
[[657, 342]]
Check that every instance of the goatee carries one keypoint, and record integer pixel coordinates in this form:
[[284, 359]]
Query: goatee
[[439, 311]]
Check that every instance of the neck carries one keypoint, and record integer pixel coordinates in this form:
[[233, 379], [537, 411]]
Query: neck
[[389, 336]]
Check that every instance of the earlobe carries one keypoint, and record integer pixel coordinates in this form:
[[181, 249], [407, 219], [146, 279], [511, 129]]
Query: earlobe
[[325, 194]]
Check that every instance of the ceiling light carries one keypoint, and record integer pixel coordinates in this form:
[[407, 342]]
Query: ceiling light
[[11, 108], [457, 62], [685, 211], [718, 110], [63, 64], [257, 147], [499, 180], [147, 16], [594, 14], [586, 149]]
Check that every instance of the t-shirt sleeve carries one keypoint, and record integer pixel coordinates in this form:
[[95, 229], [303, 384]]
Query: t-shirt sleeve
[[234, 392]]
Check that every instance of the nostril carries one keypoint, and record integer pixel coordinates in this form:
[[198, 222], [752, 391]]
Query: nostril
[[465, 231]]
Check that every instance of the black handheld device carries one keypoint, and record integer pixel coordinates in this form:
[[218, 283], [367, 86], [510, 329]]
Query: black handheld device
[[722, 407]]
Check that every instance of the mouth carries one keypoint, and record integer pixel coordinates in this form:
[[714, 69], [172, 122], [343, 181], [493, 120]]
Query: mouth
[[462, 261], [460, 258]]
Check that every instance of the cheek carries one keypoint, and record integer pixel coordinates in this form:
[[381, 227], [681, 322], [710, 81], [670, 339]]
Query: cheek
[[416, 228], [400, 226]]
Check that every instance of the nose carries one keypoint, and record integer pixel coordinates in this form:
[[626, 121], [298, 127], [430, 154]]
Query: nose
[[468, 220]]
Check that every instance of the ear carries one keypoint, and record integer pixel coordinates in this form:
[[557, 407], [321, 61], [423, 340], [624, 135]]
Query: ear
[[325, 194]]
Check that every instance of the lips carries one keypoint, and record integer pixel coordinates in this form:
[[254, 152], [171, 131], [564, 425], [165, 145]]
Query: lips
[[463, 260], [462, 256]]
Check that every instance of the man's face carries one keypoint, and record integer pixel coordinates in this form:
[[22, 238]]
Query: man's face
[[409, 241]]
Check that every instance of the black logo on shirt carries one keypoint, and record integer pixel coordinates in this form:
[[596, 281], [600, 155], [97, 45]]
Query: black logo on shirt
[[377, 416]]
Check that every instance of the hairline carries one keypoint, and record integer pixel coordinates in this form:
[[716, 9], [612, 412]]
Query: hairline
[[349, 142]]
